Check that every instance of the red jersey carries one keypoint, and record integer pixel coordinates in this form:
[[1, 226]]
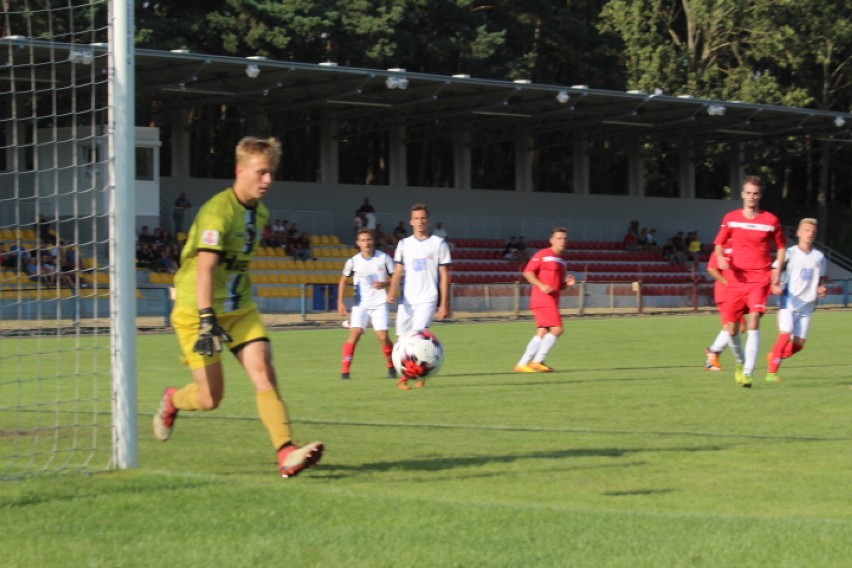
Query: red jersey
[[752, 240], [550, 268]]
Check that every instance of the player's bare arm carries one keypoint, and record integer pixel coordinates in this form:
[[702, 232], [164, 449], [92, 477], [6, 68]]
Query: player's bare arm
[[341, 306], [719, 251], [716, 275], [393, 291], [533, 279], [444, 308]]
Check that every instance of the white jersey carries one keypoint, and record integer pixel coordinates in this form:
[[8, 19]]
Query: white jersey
[[367, 271], [421, 259], [802, 274]]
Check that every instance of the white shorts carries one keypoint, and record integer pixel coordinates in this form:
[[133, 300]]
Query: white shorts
[[413, 318], [795, 322], [361, 316]]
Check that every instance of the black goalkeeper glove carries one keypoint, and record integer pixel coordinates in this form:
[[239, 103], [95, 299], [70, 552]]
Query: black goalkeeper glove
[[210, 334]]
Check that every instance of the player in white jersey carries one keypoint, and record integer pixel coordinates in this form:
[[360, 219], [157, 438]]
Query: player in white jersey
[[803, 282], [424, 260], [370, 271]]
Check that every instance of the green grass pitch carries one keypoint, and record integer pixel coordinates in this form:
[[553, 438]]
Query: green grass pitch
[[629, 455]]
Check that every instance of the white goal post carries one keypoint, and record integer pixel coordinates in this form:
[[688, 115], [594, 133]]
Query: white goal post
[[67, 224]]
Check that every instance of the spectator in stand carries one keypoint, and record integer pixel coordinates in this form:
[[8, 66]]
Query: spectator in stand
[[631, 241], [38, 273], [267, 237], [179, 211], [7, 260], [669, 252], [279, 232], [21, 257], [292, 231], [642, 239], [440, 231], [510, 248], [651, 240], [694, 248], [44, 229], [399, 233], [358, 223], [144, 255], [165, 263], [300, 247], [368, 214], [521, 250], [679, 243], [145, 236], [381, 238], [66, 256], [158, 237]]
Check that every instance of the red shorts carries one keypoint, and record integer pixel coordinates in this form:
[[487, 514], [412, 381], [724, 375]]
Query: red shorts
[[547, 317], [744, 298]]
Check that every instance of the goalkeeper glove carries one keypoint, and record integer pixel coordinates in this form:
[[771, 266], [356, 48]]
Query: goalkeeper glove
[[210, 334]]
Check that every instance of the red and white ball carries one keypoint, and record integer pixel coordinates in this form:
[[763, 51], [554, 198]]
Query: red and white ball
[[418, 355]]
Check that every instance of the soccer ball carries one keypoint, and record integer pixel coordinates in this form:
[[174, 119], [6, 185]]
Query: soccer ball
[[418, 355]]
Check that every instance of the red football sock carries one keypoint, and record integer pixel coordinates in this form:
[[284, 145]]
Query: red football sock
[[348, 355], [387, 350], [778, 350], [796, 348]]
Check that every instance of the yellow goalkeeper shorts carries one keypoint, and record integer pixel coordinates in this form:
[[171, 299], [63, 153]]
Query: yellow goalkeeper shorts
[[243, 325]]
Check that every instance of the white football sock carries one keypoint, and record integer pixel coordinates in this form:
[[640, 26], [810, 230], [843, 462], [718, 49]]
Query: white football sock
[[546, 345], [735, 342], [722, 341], [532, 349], [752, 348]]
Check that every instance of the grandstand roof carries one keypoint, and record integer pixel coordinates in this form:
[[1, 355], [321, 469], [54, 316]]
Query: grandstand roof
[[452, 102]]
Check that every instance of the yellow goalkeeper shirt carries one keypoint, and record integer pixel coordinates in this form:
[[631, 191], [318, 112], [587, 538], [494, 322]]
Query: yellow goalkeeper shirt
[[227, 227]]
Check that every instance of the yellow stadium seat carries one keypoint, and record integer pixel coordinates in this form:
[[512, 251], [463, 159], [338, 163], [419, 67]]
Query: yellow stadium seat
[[7, 234], [334, 240]]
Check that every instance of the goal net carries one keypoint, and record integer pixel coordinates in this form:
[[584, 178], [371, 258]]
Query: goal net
[[67, 382]]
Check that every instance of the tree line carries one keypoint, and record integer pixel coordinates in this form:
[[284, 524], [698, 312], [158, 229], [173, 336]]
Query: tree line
[[785, 52]]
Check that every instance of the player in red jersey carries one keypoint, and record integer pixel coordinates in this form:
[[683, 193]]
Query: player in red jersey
[[752, 233], [546, 271], [720, 296]]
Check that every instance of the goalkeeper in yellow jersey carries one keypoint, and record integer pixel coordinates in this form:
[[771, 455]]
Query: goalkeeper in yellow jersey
[[214, 306]]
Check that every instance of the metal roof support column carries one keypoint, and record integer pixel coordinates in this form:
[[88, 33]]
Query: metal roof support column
[[635, 169], [180, 121], [581, 163], [461, 159], [329, 149], [736, 171], [398, 155], [686, 177], [523, 159]]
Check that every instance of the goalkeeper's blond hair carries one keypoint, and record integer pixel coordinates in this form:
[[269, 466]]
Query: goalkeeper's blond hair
[[252, 146]]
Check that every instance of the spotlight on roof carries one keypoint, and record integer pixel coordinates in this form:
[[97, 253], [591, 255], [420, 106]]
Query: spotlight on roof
[[563, 96], [252, 70], [396, 82], [716, 110], [81, 54], [839, 122]]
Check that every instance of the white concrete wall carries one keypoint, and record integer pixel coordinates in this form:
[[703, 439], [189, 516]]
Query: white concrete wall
[[482, 213]]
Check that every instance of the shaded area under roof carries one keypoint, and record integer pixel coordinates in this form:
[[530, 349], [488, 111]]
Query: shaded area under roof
[[453, 102]]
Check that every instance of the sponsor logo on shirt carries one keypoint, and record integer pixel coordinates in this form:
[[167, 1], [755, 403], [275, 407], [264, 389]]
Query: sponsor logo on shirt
[[554, 259], [210, 237], [751, 226]]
